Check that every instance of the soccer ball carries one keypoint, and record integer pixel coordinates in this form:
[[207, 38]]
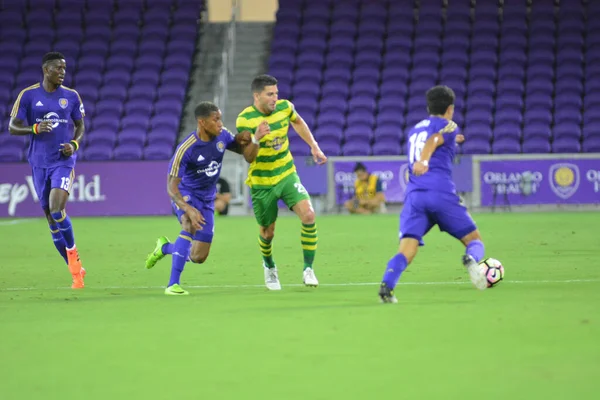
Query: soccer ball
[[493, 270]]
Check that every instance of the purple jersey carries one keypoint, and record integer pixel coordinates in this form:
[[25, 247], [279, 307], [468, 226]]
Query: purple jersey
[[198, 163], [439, 175], [35, 105]]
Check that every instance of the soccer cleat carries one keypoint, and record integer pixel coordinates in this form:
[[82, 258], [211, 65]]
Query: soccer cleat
[[75, 268], [386, 294], [271, 278], [78, 281], [475, 272], [176, 290], [309, 278], [157, 254]]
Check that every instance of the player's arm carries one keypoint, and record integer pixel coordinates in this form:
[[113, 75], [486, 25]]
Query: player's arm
[[248, 144], [174, 193], [304, 132], [173, 189], [69, 148], [17, 125], [434, 141]]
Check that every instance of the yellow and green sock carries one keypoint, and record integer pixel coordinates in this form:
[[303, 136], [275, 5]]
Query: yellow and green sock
[[267, 251], [308, 237]]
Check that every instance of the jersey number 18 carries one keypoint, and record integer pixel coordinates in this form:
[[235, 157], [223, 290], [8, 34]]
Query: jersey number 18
[[417, 142]]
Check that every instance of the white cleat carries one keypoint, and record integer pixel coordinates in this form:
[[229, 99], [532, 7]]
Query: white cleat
[[475, 272], [309, 278], [271, 278]]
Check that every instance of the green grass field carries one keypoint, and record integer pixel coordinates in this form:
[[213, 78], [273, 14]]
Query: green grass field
[[534, 336]]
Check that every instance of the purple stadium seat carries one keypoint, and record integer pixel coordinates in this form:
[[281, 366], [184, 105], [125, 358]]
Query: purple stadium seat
[[478, 131], [329, 131], [108, 122], [536, 130], [101, 137], [134, 122], [357, 132], [508, 129], [356, 148], [386, 147], [128, 152], [98, 153], [591, 145], [506, 145], [566, 145], [166, 138], [157, 152], [134, 136], [476, 146], [567, 130]]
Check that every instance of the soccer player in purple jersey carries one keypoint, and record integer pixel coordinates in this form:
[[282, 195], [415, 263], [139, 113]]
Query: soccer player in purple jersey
[[43, 111], [192, 185], [431, 197]]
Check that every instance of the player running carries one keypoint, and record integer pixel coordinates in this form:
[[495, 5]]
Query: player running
[[192, 185], [431, 197], [43, 111], [272, 176]]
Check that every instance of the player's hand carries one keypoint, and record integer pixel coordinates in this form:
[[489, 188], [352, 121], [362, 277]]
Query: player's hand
[[460, 138], [319, 157], [45, 126], [244, 138], [263, 130], [67, 149], [419, 168], [196, 217]]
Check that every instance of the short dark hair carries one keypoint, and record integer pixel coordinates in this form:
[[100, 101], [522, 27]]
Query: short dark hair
[[53, 55], [439, 98], [259, 83], [360, 167], [205, 109]]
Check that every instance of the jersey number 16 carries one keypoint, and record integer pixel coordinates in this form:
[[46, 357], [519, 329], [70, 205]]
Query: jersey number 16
[[417, 142]]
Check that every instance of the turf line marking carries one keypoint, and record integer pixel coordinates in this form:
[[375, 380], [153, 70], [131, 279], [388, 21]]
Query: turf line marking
[[567, 281], [14, 222]]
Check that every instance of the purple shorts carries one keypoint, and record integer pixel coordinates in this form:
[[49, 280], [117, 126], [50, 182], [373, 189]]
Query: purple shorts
[[46, 179], [207, 208], [423, 209]]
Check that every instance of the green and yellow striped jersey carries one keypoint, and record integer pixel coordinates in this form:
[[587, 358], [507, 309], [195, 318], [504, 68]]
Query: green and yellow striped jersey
[[274, 160]]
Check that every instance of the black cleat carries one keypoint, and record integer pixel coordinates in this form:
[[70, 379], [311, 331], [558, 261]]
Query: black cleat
[[386, 294]]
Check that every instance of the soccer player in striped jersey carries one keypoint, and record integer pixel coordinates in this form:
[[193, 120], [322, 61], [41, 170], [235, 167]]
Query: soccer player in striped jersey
[[43, 111], [272, 175], [192, 185]]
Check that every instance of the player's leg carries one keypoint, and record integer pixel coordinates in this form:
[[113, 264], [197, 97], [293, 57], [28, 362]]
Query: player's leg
[[297, 199], [57, 237], [203, 237], [414, 224], [42, 186], [453, 217], [61, 179], [180, 251], [264, 205]]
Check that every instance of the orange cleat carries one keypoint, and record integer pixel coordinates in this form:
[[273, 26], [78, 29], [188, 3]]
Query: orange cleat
[[77, 271]]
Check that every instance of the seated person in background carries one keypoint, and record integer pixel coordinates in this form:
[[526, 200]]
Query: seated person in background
[[223, 197], [368, 192]]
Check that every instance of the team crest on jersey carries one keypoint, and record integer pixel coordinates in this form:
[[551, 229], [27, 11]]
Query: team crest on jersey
[[221, 146], [63, 103]]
